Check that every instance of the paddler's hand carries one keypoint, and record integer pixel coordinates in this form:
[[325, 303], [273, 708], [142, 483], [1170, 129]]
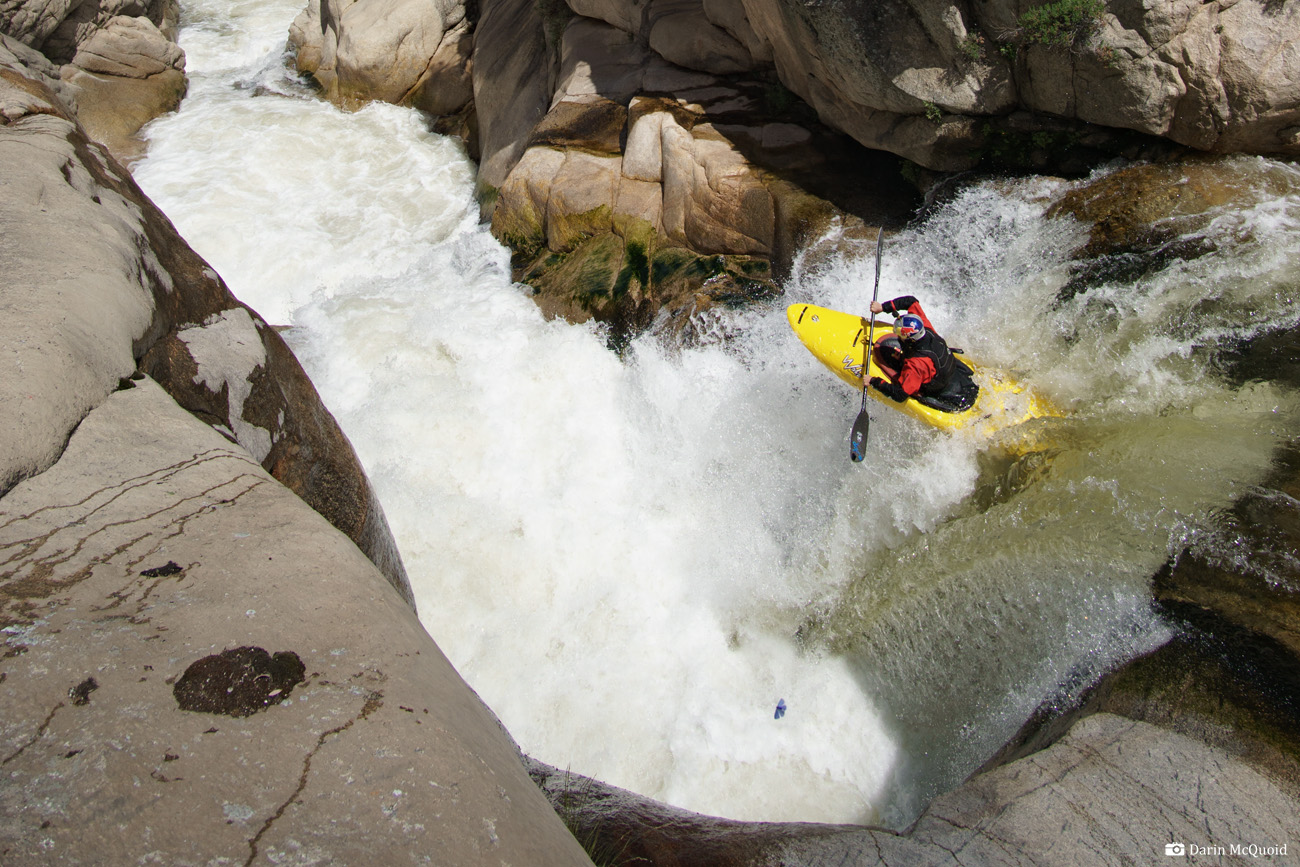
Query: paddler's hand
[[877, 307], [891, 390]]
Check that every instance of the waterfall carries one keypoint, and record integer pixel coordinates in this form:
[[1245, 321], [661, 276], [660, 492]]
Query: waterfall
[[633, 558]]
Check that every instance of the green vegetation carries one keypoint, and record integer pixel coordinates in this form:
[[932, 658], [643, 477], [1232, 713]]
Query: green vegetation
[[1063, 23], [933, 113], [973, 46]]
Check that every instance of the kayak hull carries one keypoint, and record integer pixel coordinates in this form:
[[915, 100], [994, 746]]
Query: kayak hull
[[838, 340]]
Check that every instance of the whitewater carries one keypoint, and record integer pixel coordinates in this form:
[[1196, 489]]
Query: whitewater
[[633, 558]]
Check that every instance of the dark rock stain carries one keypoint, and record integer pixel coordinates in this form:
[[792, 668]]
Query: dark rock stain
[[238, 682], [163, 571], [80, 694]]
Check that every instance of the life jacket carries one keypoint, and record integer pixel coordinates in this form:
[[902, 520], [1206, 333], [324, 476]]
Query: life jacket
[[935, 348]]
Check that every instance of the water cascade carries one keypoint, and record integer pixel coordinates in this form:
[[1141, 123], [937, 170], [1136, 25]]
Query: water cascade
[[634, 558]]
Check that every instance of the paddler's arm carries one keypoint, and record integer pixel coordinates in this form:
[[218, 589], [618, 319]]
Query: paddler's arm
[[900, 305], [889, 389]]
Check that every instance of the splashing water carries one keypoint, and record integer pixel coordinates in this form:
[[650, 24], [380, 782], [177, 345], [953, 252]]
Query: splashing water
[[632, 560]]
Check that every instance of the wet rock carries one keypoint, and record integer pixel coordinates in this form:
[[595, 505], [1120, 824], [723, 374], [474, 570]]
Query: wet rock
[[1144, 217], [239, 682]]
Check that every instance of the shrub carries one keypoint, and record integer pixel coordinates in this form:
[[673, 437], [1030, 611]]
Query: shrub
[[1063, 23]]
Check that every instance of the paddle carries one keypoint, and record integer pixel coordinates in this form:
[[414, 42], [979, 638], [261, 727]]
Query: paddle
[[862, 424]]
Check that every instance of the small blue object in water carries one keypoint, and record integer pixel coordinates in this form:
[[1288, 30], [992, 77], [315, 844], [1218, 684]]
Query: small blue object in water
[[780, 708]]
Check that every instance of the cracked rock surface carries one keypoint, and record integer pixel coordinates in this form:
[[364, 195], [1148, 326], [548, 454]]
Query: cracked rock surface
[[380, 752]]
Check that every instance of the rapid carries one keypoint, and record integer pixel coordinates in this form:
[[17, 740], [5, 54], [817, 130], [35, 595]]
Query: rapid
[[633, 558]]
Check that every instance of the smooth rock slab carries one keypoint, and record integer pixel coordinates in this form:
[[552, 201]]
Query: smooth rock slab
[[155, 544]]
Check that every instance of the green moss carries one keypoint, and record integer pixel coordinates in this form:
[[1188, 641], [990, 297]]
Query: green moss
[[570, 231], [486, 195]]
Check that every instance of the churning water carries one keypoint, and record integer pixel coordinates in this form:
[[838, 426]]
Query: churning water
[[634, 559]]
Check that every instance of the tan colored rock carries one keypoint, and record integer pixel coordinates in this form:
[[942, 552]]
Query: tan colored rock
[[125, 289], [413, 52], [626, 15], [30, 84], [519, 217], [128, 48], [326, 725], [1111, 791], [730, 16], [512, 85], [638, 202], [643, 154], [681, 33], [875, 71], [713, 200], [113, 109], [447, 84], [582, 197], [198, 667], [121, 66]]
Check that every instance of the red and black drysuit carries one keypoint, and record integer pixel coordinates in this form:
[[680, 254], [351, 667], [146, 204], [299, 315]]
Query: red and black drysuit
[[928, 364]]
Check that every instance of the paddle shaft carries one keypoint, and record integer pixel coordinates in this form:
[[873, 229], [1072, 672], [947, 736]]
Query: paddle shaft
[[862, 424]]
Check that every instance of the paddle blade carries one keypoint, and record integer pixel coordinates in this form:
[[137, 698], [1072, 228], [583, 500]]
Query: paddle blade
[[858, 437]]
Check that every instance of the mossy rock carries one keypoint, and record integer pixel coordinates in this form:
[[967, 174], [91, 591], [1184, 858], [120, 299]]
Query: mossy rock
[[625, 282], [568, 232]]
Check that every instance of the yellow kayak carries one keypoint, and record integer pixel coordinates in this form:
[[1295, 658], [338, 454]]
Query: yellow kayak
[[837, 339]]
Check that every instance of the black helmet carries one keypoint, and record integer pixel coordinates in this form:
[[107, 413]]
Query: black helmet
[[890, 348]]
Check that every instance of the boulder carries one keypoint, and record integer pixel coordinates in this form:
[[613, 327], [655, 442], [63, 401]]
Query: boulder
[[199, 668], [624, 204], [1142, 217], [119, 60], [128, 48], [127, 292], [513, 75], [1219, 77], [409, 53]]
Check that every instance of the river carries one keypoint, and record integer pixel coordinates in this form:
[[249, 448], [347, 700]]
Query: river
[[633, 558]]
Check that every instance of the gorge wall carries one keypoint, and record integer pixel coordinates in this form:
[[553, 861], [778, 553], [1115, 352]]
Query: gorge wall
[[667, 155]]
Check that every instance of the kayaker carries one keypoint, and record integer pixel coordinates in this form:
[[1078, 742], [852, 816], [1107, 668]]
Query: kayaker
[[918, 360]]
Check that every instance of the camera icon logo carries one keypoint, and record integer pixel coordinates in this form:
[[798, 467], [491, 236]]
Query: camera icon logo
[[1175, 849]]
